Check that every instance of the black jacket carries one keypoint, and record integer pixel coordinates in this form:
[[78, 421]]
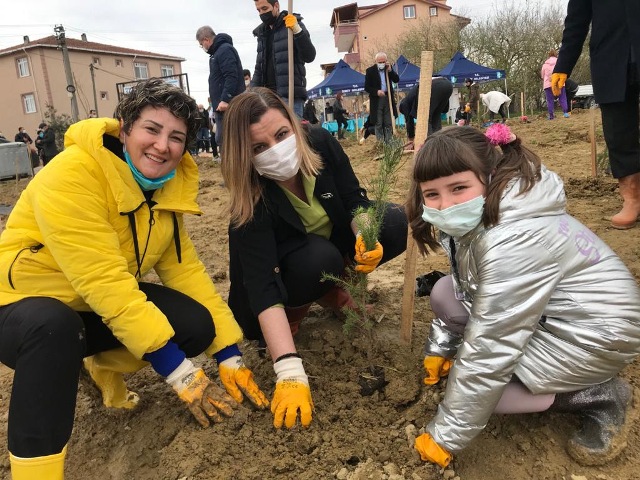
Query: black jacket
[[23, 137], [48, 143], [614, 47], [372, 84], [226, 79], [256, 248], [303, 52]]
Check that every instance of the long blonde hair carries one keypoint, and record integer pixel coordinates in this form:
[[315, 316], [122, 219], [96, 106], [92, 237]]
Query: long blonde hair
[[240, 176]]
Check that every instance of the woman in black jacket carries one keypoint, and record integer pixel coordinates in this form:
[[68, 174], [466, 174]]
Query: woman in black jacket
[[292, 197]]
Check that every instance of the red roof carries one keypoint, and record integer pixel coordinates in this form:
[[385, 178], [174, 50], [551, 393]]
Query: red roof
[[75, 44]]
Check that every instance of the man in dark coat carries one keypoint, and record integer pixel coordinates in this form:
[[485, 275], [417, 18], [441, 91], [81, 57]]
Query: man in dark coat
[[46, 143], [272, 62], [614, 49], [226, 78], [23, 136], [375, 84], [441, 90]]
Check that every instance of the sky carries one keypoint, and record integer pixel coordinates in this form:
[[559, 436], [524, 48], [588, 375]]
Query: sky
[[170, 30]]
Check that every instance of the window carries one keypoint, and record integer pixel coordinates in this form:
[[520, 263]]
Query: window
[[23, 67], [118, 62], [29, 103], [433, 11], [104, 95], [166, 70], [409, 11], [96, 61], [141, 71]]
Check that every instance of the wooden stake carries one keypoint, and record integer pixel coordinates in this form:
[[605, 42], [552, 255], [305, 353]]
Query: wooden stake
[[290, 57], [522, 104], [592, 136], [389, 95], [409, 287]]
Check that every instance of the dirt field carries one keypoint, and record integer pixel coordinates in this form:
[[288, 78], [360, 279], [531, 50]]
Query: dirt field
[[352, 437]]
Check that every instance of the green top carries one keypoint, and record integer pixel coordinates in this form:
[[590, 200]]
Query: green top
[[313, 216]]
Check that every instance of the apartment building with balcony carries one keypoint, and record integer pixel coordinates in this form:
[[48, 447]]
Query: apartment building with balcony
[[361, 32]]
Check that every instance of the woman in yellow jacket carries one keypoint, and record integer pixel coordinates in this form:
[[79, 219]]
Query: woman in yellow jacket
[[83, 234]]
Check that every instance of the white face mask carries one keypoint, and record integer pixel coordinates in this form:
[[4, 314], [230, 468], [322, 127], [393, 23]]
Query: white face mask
[[279, 162], [247, 83], [381, 66], [456, 220]]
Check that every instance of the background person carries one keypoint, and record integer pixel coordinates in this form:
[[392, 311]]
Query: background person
[[614, 48], [545, 73], [553, 333], [82, 235], [339, 113], [473, 99], [497, 103], [246, 73], [292, 197], [375, 84], [272, 61], [46, 143], [226, 79]]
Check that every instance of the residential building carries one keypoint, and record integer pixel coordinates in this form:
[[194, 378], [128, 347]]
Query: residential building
[[33, 76], [361, 32]]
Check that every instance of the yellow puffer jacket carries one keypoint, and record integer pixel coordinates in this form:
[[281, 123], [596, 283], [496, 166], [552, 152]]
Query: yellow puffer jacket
[[69, 237]]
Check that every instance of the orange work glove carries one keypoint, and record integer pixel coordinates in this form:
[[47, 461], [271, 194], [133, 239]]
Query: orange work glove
[[436, 367], [430, 451], [557, 82], [204, 398], [467, 108], [238, 380], [367, 260], [290, 21], [292, 394]]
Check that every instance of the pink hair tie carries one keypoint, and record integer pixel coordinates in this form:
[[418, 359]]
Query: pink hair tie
[[499, 134]]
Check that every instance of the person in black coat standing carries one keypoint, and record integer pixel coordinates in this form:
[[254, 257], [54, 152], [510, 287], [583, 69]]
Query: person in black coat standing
[[375, 84], [46, 143], [272, 61], [614, 50], [226, 77]]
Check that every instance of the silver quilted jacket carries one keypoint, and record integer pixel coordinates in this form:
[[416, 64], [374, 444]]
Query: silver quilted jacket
[[549, 302]]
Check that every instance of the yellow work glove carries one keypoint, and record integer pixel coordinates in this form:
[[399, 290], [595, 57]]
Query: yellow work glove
[[430, 451], [292, 394], [204, 398], [290, 21], [238, 380], [557, 82], [367, 260], [467, 108], [436, 367]]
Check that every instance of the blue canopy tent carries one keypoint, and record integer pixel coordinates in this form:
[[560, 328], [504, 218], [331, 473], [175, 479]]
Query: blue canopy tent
[[408, 72], [460, 68], [343, 79]]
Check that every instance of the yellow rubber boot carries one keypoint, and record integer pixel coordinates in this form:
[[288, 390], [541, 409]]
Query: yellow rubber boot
[[50, 467], [107, 369]]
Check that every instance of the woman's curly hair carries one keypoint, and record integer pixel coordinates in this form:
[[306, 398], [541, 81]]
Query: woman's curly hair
[[159, 94]]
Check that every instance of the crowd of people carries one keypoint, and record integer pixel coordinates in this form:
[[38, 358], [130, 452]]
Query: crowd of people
[[111, 207]]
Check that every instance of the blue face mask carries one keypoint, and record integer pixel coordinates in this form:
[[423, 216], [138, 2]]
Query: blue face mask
[[456, 220], [145, 183]]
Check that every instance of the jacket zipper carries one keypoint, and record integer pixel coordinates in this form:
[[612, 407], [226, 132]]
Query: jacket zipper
[[32, 249]]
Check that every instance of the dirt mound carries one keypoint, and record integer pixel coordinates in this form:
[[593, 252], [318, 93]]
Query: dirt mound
[[352, 436]]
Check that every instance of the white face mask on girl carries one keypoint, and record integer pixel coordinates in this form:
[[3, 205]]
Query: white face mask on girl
[[457, 220], [279, 162]]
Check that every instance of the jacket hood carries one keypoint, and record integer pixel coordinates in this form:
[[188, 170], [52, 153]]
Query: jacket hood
[[551, 61], [178, 194], [221, 39], [546, 198]]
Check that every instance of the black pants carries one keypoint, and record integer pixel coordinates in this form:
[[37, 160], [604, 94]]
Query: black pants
[[44, 341], [342, 125], [620, 122], [502, 111], [302, 269]]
